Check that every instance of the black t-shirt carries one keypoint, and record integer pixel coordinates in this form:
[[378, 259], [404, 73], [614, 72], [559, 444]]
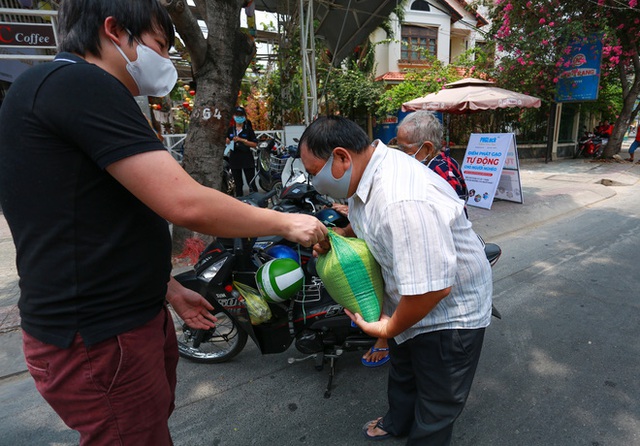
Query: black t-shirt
[[91, 257], [241, 157]]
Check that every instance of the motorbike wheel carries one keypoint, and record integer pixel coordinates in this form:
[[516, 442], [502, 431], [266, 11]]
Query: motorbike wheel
[[228, 183], [262, 167], [277, 186], [577, 151], [262, 183], [219, 344]]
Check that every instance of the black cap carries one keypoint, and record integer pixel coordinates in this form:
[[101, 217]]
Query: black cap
[[239, 111]]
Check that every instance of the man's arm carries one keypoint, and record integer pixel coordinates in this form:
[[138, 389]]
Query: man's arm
[[157, 180], [410, 310]]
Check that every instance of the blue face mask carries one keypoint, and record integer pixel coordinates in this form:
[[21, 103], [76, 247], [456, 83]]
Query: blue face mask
[[417, 151], [239, 119], [326, 184]]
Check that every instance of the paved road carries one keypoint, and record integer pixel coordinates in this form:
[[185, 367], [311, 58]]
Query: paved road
[[559, 369]]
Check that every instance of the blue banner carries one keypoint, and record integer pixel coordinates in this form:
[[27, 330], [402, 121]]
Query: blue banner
[[579, 76]]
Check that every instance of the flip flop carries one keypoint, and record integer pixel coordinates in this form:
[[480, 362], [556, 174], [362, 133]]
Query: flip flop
[[378, 422], [379, 362]]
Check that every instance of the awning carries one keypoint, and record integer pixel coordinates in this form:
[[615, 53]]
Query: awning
[[343, 24]]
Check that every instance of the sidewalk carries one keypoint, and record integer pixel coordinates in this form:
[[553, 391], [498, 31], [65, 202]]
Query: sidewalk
[[549, 191]]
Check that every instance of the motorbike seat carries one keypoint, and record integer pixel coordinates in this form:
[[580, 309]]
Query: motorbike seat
[[493, 252]]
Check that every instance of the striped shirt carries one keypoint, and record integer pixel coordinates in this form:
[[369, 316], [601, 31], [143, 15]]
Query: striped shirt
[[415, 227], [448, 168]]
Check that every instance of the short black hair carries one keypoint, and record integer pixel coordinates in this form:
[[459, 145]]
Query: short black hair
[[328, 132], [79, 22]]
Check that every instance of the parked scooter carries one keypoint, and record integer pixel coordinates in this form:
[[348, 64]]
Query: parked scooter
[[314, 322], [294, 171], [228, 182], [270, 163], [590, 146]]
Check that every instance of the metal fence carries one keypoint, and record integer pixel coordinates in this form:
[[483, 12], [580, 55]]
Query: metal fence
[[174, 142]]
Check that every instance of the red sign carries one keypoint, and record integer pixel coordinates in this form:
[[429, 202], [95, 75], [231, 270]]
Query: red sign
[[33, 35]]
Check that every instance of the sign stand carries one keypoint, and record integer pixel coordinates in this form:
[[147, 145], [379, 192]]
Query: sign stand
[[491, 169]]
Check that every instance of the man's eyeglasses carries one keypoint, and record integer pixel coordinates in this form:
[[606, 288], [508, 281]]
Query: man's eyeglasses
[[405, 147]]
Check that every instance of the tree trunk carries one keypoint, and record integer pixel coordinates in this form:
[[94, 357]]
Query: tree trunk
[[630, 91], [218, 65]]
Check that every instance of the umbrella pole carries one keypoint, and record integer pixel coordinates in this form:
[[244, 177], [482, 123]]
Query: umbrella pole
[[448, 119]]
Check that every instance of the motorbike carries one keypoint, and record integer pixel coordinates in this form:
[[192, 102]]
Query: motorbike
[[270, 163], [314, 322], [228, 182], [590, 145], [294, 171]]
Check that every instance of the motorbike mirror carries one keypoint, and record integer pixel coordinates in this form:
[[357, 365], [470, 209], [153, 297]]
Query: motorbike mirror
[[294, 151]]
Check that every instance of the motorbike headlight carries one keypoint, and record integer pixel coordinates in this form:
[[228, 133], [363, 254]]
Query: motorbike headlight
[[211, 271]]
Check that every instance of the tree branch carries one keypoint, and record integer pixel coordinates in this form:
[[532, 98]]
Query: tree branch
[[187, 26]]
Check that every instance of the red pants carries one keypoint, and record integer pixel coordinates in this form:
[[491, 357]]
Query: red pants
[[117, 392]]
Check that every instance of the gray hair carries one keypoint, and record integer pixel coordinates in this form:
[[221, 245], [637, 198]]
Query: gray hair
[[423, 125]]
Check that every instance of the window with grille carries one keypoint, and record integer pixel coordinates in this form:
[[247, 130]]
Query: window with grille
[[418, 42]]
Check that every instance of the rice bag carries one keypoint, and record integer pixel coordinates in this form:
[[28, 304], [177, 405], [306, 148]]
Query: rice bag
[[352, 276]]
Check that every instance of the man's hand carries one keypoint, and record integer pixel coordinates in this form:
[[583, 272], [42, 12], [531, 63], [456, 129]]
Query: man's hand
[[323, 246], [190, 306], [409, 311], [304, 229], [341, 209], [376, 329]]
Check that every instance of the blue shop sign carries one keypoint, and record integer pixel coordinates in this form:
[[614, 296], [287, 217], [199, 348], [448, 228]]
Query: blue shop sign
[[579, 76]]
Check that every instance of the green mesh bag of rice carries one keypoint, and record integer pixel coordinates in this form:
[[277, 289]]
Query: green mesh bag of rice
[[352, 276]]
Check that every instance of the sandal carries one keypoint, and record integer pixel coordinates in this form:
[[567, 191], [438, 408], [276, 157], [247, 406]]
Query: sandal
[[379, 362], [629, 159], [378, 424]]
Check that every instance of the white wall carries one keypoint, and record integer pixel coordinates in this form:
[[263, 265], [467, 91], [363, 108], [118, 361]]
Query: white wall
[[451, 39]]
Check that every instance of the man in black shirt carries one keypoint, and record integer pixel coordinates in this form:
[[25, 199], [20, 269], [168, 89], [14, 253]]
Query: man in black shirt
[[87, 189]]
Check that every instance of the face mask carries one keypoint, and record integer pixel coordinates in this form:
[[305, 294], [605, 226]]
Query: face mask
[[239, 119], [326, 184], [417, 151], [153, 74]]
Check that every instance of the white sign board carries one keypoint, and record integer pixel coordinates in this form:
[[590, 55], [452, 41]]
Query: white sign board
[[491, 169], [292, 133]]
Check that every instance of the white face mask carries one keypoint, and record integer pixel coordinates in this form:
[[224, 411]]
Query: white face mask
[[153, 74]]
